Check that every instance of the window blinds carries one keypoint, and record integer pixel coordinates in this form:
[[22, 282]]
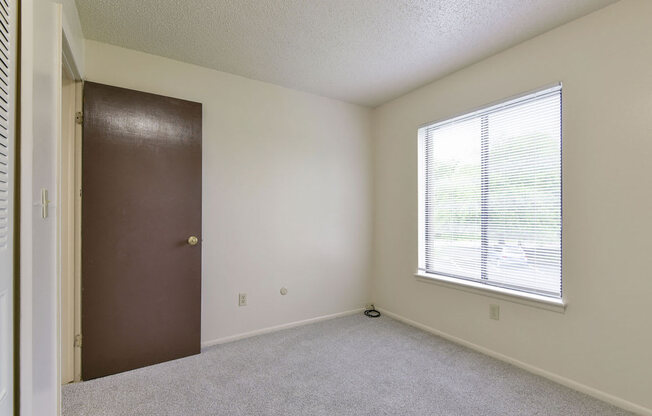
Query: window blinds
[[5, 128], [490, 195], [7, 181]]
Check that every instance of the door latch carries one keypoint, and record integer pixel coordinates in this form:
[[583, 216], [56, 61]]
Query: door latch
[[45, 203]]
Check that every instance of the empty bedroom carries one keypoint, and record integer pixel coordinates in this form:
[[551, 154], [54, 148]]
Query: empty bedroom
[[336, 207]]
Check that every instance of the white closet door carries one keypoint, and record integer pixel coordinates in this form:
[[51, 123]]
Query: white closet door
[[7, 168]]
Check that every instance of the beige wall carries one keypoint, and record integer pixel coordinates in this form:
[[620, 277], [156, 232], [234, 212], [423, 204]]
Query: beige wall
[[604, 339], [286, 192]]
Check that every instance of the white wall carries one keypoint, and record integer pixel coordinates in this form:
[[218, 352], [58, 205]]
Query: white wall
[[42, 25], [73, 35], [40, 81], [286, 192], [604, 339]]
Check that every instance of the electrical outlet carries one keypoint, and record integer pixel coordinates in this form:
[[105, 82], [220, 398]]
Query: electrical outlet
[[494, 312], [242, 299]]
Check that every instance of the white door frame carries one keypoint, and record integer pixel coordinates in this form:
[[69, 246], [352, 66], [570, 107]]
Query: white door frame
[[68, 195], [8, 249], [42, 44]]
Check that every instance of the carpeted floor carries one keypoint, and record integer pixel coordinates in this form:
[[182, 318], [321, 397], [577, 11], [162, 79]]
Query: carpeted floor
[[346, 366]]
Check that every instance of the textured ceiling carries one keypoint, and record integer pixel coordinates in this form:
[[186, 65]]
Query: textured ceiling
[[362, 51]]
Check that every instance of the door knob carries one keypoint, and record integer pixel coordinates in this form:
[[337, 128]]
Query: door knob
[[192, 240]]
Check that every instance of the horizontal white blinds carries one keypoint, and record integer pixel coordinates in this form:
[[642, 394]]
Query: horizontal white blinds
[[491, 190], [5, 127], [7, 181]]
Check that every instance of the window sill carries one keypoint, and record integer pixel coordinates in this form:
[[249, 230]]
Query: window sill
[[538, 301]]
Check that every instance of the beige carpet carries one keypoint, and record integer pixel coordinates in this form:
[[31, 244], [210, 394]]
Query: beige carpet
[[347, 366]]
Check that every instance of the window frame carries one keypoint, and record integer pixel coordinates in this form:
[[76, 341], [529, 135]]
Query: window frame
[[470, 285]]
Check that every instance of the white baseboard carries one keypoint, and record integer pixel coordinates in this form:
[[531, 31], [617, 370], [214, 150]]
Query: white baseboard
[[598, 394], [267, 330]]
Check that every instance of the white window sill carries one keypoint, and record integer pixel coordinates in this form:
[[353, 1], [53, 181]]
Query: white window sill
[[538, 301]]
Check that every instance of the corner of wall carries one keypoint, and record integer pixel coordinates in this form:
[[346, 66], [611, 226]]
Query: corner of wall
[[73, 38], [373, 117]]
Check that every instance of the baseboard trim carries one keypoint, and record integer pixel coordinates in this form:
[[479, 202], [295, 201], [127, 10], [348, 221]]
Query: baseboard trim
[[583, 388], [231, 338]]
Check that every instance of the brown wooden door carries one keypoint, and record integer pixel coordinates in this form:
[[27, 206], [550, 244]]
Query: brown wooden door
[[141, 201]]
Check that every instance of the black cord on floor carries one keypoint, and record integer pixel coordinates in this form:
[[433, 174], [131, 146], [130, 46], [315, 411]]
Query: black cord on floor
[[372, 313]]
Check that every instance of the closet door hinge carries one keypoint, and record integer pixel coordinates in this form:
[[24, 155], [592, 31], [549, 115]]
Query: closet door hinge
[[79, 117], [78, 341]]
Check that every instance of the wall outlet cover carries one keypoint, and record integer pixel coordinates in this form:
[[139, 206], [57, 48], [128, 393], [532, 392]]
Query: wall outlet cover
[[494, 312], [242, 299]]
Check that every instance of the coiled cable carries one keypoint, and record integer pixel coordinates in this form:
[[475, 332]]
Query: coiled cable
[[372, 312]]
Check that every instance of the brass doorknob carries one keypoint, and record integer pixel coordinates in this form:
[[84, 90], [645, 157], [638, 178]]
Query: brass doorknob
[[192, 240]]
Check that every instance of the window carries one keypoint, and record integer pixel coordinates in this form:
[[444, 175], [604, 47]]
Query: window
[[490, 196]]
